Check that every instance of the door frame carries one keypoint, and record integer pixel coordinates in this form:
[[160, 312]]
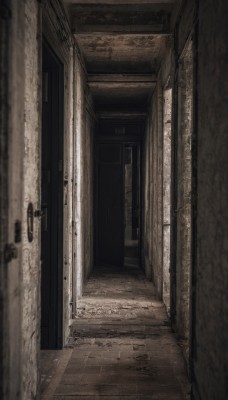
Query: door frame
[[56, 341]]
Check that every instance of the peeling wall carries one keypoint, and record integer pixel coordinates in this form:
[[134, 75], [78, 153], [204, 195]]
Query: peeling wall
[[184, 192], [210, 340], [20, 135], [167, 133], [83, 178], [152, 197], [146, 232], [88, 179], [78, 175], [184, 24], [153, 190], [31, 194], [56, 31], [12, 47], [68, 194]]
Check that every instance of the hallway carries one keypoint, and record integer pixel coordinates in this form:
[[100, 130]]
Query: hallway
[[121, 345], [113, 157]]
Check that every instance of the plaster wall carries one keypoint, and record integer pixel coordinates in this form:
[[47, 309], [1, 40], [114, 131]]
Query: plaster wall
[[88, 178], [31, 194], [156, 184], [146, 262], [20, 45], [152, 197], [78, 175], [184, 192], [210, 340], [68, 194], [167, 133], [83, 177], [12, 45], [43, 20]]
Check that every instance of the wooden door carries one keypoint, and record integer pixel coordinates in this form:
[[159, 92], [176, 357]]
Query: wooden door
[[52, 201], [110, 205]]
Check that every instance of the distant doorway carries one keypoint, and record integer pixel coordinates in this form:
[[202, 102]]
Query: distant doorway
[[117, 196], [52, 201], [131, 204], [110, 205]]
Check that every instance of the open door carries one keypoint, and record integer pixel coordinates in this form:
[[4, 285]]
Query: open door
[[52, 201]]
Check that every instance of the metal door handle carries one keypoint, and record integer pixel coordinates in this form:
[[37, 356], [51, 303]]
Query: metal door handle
[[30, 217]]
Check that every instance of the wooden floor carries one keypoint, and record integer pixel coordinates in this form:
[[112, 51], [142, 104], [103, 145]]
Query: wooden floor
[[121, 347]]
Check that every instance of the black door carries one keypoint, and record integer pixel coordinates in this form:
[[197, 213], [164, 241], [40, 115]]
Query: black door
[[52, 201], [110, 205]]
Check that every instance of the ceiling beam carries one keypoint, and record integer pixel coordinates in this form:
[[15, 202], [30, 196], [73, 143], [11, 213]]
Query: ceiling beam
[[113, 19], [122, 114], [120, 30], [121, 78], [121, 85], [119, 2]]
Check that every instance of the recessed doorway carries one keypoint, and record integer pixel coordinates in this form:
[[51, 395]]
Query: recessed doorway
[[131, 204], [52, 201], [117, 194]]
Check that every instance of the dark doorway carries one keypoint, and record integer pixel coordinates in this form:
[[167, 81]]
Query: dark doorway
[[132, 204], [117, 193], [110, 204], [52, 201]]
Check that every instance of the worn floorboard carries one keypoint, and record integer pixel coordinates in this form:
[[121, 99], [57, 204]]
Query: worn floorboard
[[121, 345]]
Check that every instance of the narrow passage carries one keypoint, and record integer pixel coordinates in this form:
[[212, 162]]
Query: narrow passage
[[121, 344]]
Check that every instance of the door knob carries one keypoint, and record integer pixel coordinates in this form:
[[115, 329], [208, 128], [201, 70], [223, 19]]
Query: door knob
[[30, 217]]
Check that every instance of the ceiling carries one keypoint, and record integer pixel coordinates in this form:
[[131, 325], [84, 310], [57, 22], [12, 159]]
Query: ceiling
[[120, 53], [118, 2], [121, 42]]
